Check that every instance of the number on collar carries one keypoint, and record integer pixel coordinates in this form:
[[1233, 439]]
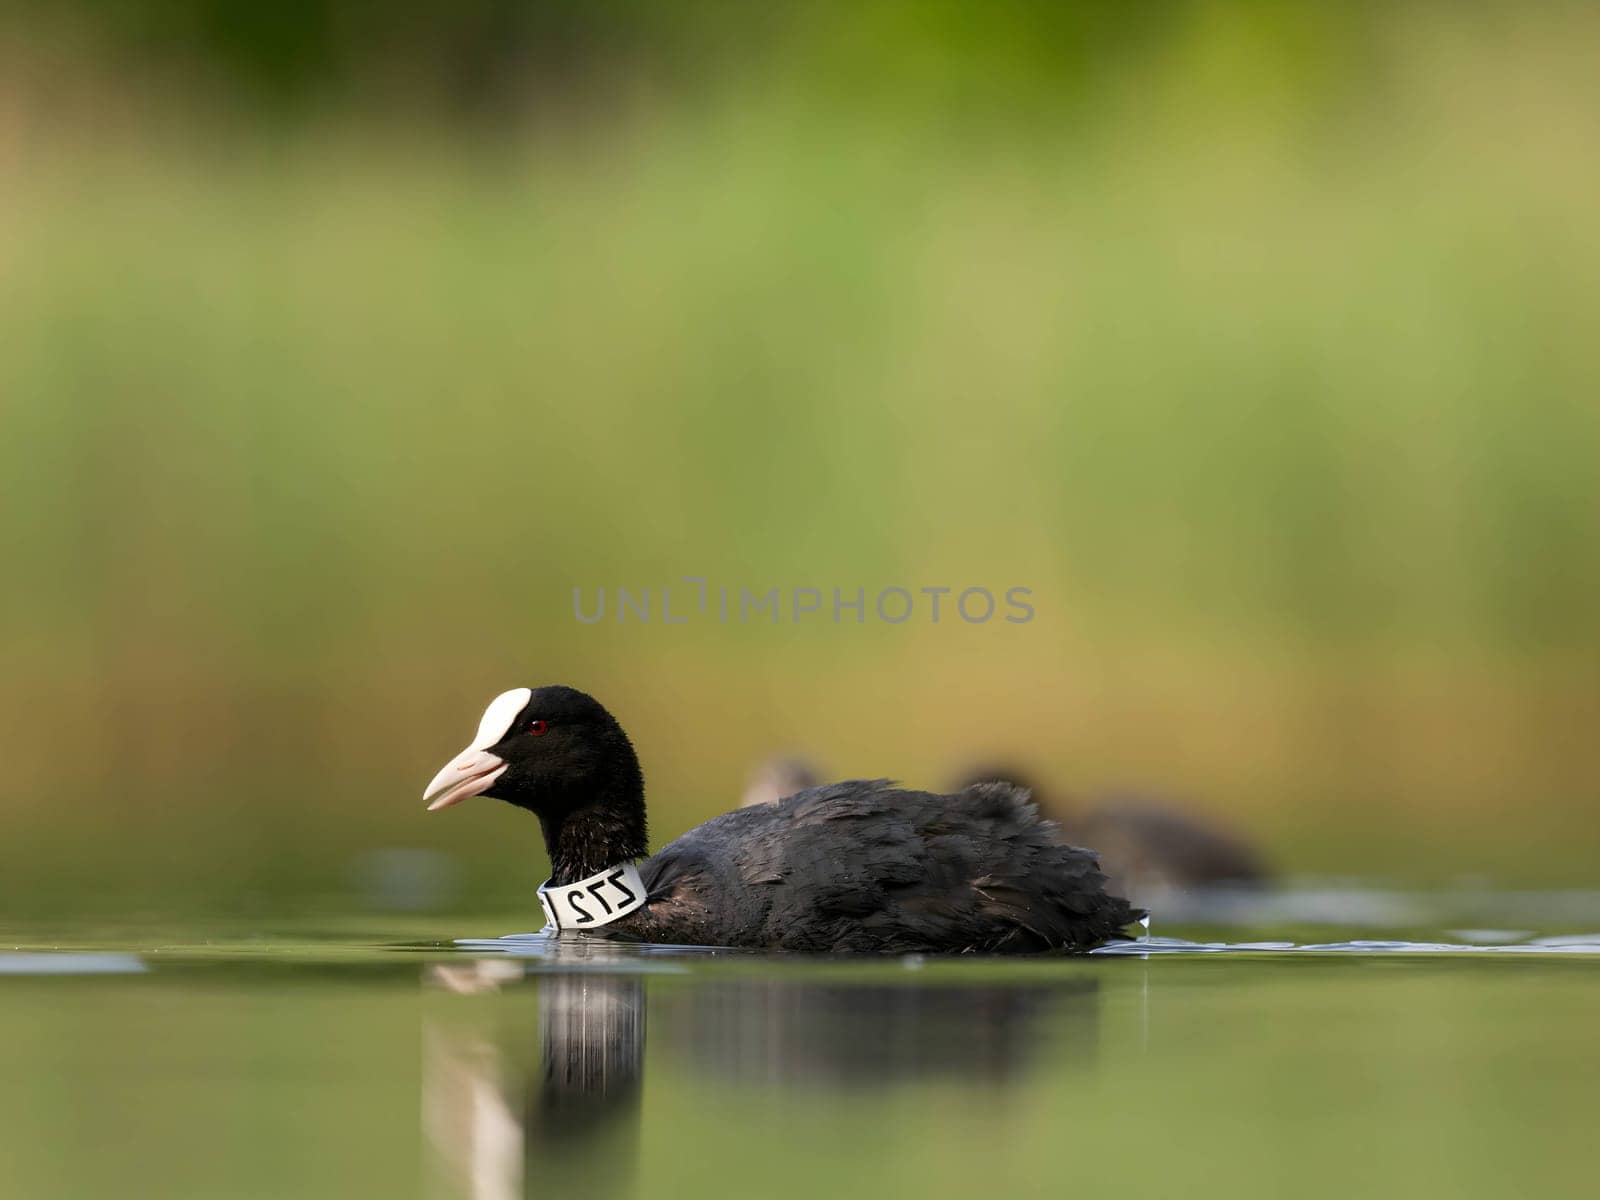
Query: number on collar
[[598, 900]]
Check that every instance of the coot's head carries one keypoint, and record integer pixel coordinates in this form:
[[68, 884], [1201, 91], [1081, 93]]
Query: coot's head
[[552, 750]]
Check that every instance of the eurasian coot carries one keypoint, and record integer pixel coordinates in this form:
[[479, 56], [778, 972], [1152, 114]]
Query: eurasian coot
[[855, 866]]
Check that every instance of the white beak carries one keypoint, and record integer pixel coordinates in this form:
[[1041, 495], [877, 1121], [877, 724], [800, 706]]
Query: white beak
[[474, 770], [470, 773]]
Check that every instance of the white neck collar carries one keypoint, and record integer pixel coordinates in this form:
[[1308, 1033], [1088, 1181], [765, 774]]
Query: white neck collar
[[598, 900]]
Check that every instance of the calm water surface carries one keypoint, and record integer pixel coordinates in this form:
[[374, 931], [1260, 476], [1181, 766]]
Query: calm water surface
[[1229, 1056]]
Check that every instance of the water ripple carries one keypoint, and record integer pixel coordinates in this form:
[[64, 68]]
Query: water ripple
[[1586, 943]]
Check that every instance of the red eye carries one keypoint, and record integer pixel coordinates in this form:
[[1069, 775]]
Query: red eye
[[538, 728]]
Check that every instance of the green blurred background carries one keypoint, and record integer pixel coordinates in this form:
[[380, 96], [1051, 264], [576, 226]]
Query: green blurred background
[[338, 343]]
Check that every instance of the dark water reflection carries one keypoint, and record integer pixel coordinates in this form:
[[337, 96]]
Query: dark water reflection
[[542, 1089], [789, 1034]]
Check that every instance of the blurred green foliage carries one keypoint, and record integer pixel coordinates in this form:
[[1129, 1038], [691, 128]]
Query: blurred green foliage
[[1255, 339]]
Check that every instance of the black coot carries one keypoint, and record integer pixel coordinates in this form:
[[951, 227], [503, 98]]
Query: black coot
[[856, 866]]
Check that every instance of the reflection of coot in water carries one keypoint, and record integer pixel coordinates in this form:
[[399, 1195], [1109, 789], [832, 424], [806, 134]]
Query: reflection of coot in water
[[591, 1051], [537, 1102], [525, 1105], [782, 1033]]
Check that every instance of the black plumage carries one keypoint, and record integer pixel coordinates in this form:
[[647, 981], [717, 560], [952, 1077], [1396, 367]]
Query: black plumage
[[859, 866], [1147, 846]]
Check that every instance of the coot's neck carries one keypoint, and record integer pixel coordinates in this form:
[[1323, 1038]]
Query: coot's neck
[[605, 832]]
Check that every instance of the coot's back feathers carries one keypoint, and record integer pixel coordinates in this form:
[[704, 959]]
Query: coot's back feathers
[[866, 866], [1145, 845]]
